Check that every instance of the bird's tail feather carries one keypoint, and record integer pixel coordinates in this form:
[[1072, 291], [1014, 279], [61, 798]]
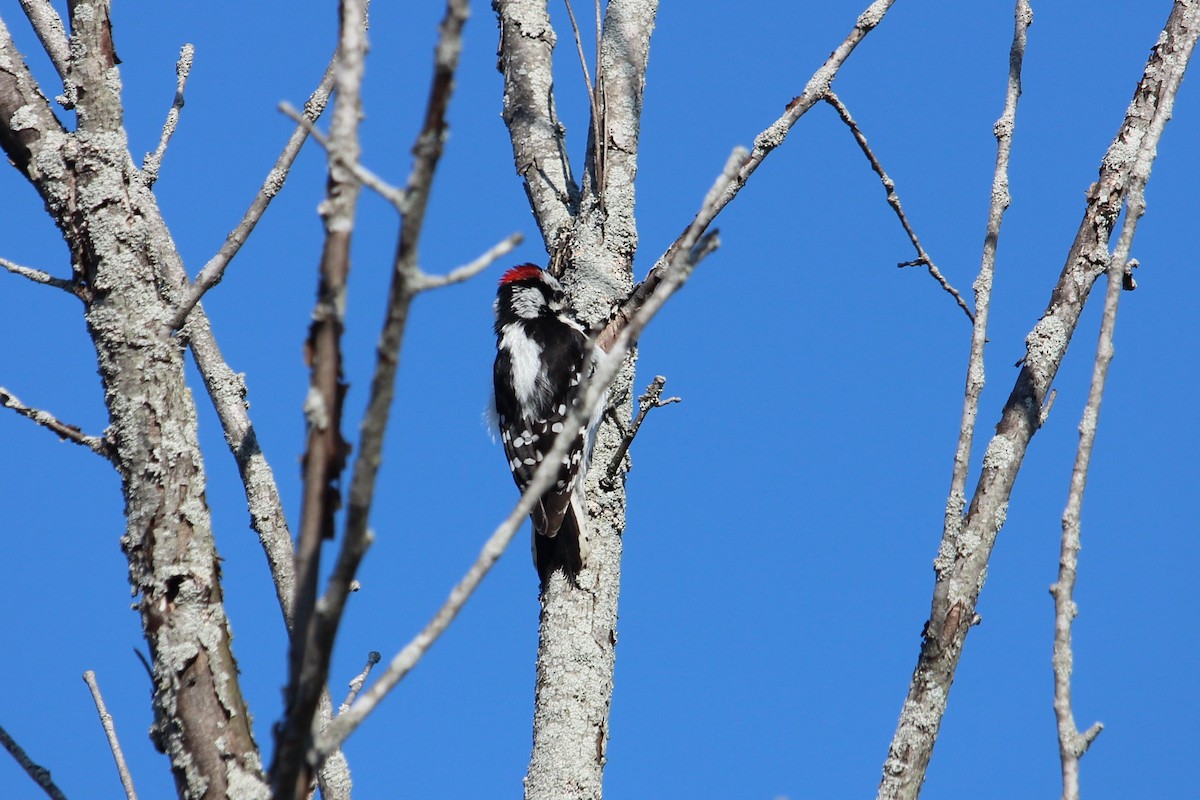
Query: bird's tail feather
[[567, 550]]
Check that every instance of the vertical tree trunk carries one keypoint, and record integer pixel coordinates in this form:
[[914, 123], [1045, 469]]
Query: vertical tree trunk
[[120, 250], [591, 230]]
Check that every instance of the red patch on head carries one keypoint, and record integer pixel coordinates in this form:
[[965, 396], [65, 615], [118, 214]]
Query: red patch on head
[[521, 273]]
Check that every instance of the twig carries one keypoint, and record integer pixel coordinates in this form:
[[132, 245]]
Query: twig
[[1071, 743], [1000, 200], [39, 774], [893, 199], [51, 32], [366, 177], [694, 247], [97, 444], [651, 399], [212, 272], [153, 161], [599, 138], [423, 282], [110, 732], [39, 276], [325, 451], [357, 682]]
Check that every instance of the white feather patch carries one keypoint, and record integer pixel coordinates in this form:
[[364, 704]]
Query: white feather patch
[[525, 355]]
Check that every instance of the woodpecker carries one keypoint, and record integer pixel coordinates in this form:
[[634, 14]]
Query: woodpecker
[[542, 361]]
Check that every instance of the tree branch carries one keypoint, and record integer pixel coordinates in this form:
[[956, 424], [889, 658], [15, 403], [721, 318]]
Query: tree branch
[[325, 453], [960, 574], [48, 26], [39, 774], [893, 199], [423, 282], [538, 137], [212, 272], [110, 733], [366, 177], [71, 433], [650, 400], [356, 684], [764, 144], [39, 276], [1071, 743], [1003, 130], [153, 161], [405, 284]]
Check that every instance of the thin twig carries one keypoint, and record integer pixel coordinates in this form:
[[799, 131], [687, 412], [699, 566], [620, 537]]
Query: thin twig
[[356, 684], [39, 276], [153, 161], [694, 247], [599, 139], [889, 186], [212, 272], [110, 732], [51, 32], [423, 282], [71, 433], [393, 194], [1000, 200], [39, 774], [650, 400], [1071, 743]]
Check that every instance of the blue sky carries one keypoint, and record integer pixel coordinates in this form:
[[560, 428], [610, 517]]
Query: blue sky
[[782, 519]]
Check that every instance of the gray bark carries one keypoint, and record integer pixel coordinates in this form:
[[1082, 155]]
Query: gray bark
[[591, 231], [121, 249]]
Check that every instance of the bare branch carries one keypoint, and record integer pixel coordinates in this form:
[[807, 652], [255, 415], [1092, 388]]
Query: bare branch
[[599, 138], [650, 400], [889, 186], [110, 732], [404, 286], [325, 451], [538, 137], [817, 88], [48, 26], [961, 573], [366, 177], [423, 282], [1071, 743], [1003, 130], [39, 774], [39, 276], [153, 161], [71, 433], [212, 272], [357, 682]]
